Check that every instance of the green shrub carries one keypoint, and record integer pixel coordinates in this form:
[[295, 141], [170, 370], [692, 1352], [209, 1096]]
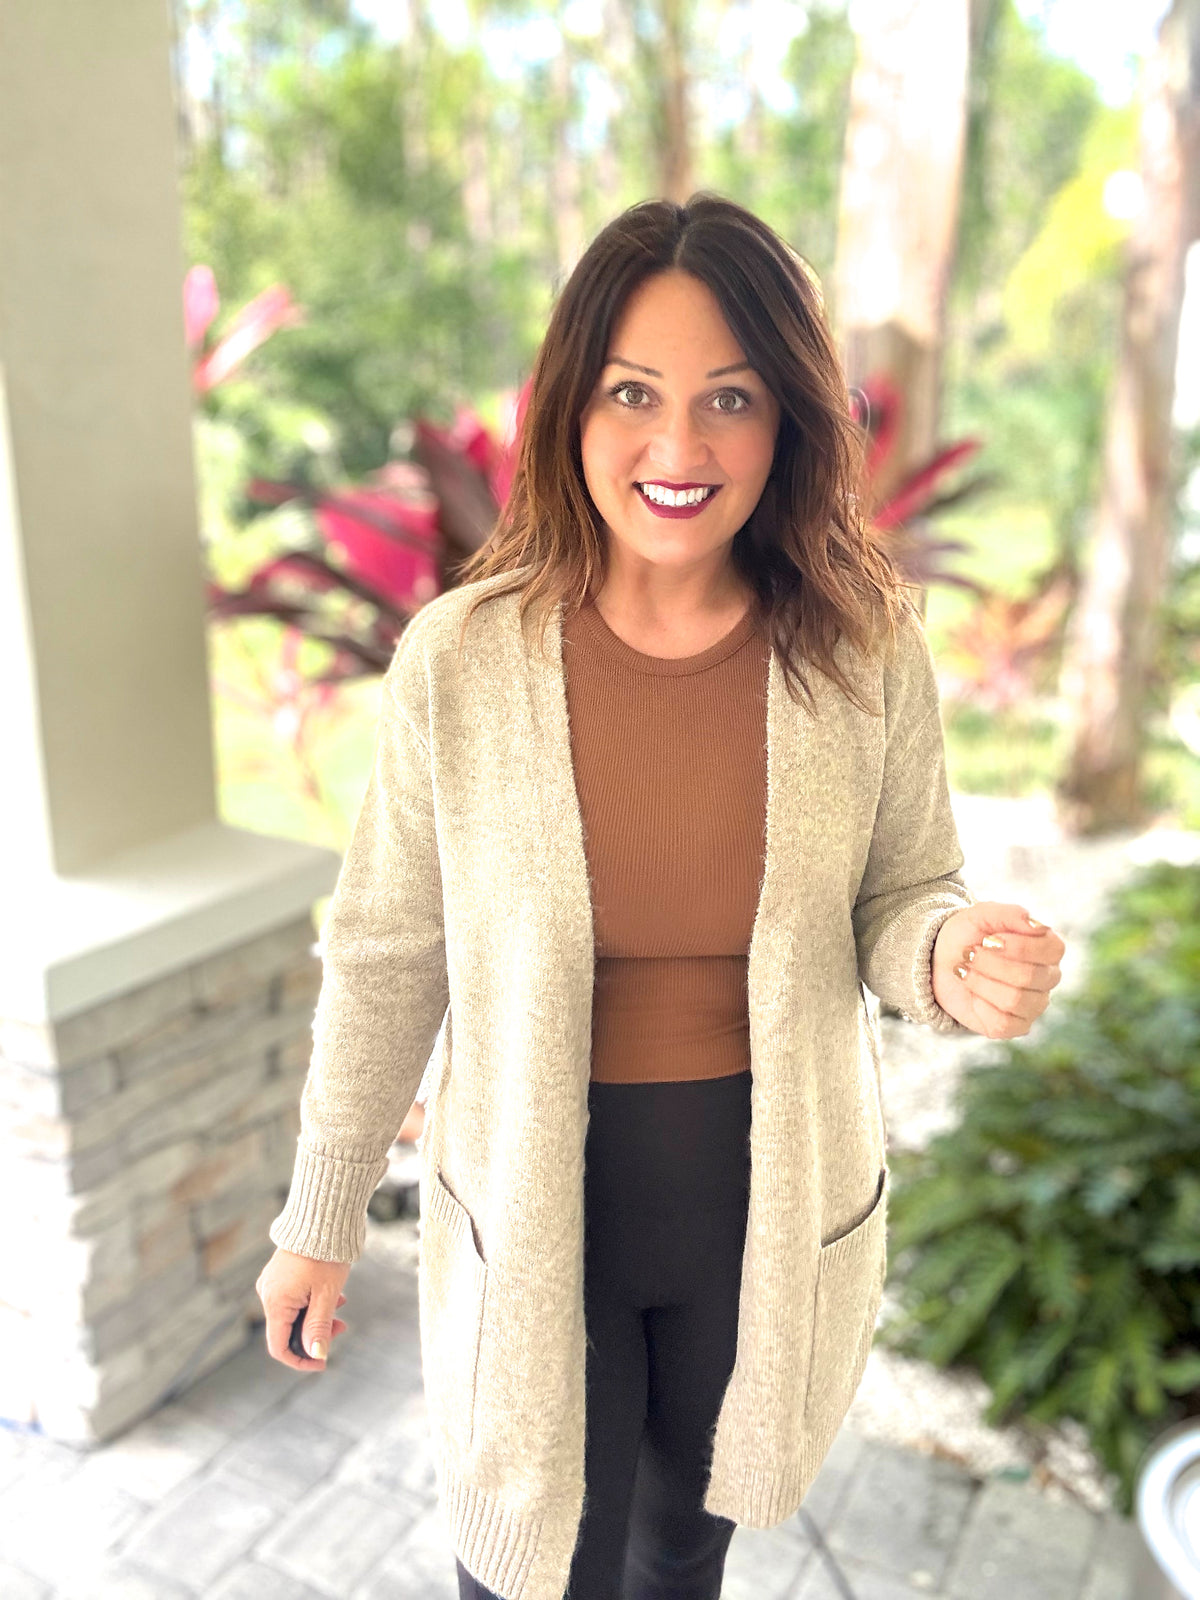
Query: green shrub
[[1051, 1240]]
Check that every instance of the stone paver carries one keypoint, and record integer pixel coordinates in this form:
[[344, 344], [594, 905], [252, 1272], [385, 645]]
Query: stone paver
[[252, 1580], [766, 1563], [16, 1584], [832, 1483], [201, 1529], [286, 1454], [241, 1389], [1117, 1551], [336, 1536], [57, 1526], [419, 1567], [855, 1580], [157, 1455], [115, 1579], [261, 1483], [395, 1459], [903, 1514], [1018, 1542]]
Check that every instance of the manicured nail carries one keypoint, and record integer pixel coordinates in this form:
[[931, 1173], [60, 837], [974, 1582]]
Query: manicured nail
[[961, 972], [1033, 921], [993, 941], [969, 955], [318, 1350]]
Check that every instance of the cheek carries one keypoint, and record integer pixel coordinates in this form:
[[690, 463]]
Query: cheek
[[751, 455], [591, 448]]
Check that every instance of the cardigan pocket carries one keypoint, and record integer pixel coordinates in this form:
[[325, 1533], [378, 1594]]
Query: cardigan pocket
[[850, 1276], [452, 1285]]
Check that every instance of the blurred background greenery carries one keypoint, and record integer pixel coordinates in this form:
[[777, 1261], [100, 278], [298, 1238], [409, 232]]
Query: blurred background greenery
[[423, 179]]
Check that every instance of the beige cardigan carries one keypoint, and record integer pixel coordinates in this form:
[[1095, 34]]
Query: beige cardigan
[[461, 919]]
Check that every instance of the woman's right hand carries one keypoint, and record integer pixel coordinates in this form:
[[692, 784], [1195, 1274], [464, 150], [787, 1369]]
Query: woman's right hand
[[289, 1282]]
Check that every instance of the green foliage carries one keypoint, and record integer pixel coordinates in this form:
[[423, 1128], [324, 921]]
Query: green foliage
[[1051, 1240], [790, 177], [1077, 240], [406, 313], [1033, 308], [1012, 751]]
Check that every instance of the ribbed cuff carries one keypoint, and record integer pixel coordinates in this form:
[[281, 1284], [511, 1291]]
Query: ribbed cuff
[[927, 1010], [326, 1212]]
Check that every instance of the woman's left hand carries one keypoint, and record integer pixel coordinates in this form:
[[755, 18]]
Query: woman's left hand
[[994, 968]]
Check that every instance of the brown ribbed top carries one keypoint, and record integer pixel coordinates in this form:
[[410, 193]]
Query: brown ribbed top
[[670, 761]]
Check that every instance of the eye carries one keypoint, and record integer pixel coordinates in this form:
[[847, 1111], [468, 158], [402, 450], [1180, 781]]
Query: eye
[[618, 388], [733, 394]]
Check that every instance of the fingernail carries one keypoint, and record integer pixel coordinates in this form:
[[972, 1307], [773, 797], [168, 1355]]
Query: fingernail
[[961, 972], [970, 954], [1033, 921], [993, 941], [318, 1350]]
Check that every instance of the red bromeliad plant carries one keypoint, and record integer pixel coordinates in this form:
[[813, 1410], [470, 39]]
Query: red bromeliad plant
[[1001, 653], [215, 361], [376, 552], [379, 549], [997, 654], [900, 523]]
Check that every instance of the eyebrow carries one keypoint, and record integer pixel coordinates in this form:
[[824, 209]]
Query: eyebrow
[[651, 372]]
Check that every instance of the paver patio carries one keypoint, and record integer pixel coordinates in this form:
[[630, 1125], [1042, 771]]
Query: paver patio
[[260, 1483]]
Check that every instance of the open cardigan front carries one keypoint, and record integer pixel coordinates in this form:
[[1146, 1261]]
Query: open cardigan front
[[461, 926]]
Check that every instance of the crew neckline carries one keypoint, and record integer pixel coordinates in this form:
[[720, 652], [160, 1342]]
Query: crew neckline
[[618, 650]]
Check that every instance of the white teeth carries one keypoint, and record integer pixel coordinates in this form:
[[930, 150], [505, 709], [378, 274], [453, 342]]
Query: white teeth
[[674, 497]]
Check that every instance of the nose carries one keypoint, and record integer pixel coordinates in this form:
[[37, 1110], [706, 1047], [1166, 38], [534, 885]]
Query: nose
[[676, 447]]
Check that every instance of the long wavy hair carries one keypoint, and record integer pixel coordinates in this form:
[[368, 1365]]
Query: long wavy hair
[[815, 571]]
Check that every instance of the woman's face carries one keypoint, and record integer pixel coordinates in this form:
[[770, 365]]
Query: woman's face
[[677, 406]]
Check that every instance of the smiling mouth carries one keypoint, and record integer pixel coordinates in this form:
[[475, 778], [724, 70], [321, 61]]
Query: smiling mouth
[[696, 495]]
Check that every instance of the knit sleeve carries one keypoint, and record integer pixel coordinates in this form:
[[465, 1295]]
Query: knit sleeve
[[384, 986], [912, 880]]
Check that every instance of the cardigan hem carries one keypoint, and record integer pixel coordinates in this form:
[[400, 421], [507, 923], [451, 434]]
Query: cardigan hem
[[498, 1544], [760, 1498]]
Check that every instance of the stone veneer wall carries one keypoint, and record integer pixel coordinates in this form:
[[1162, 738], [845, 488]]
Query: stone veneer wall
[[145, 1147]]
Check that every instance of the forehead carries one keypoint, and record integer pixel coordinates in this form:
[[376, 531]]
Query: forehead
[[674, 320]]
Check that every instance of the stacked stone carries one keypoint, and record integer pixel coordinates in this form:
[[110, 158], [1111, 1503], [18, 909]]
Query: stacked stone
[[145, 1146]]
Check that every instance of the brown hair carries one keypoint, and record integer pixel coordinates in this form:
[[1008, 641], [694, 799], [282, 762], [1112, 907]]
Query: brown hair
[[813, 567]]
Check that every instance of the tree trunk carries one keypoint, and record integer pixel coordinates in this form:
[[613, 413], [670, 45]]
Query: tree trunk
[[900, 188], [660, 43], [676, 148], [477, 187], [1113, 635]]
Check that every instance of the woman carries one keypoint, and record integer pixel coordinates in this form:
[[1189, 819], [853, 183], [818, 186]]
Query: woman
[[638, 874]]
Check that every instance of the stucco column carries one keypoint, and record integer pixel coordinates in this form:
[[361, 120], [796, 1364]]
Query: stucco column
[[126, 901]]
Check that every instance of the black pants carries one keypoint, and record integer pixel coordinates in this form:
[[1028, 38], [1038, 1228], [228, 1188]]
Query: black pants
[[666, 1185]]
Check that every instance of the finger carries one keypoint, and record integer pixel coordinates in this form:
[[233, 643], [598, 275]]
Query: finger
[[1005, 916], [278, 1333], [1032, 975], [1022, 947], [1019, 1002], [998, 1023], [317, 1330]]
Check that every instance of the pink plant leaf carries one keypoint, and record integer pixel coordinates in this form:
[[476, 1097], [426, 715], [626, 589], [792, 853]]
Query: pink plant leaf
[[267, 492], [918, 488], [879, 407], [254, 324], [201, 302], [385, 541], [510, 448], [467, 509], [296, 567]]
